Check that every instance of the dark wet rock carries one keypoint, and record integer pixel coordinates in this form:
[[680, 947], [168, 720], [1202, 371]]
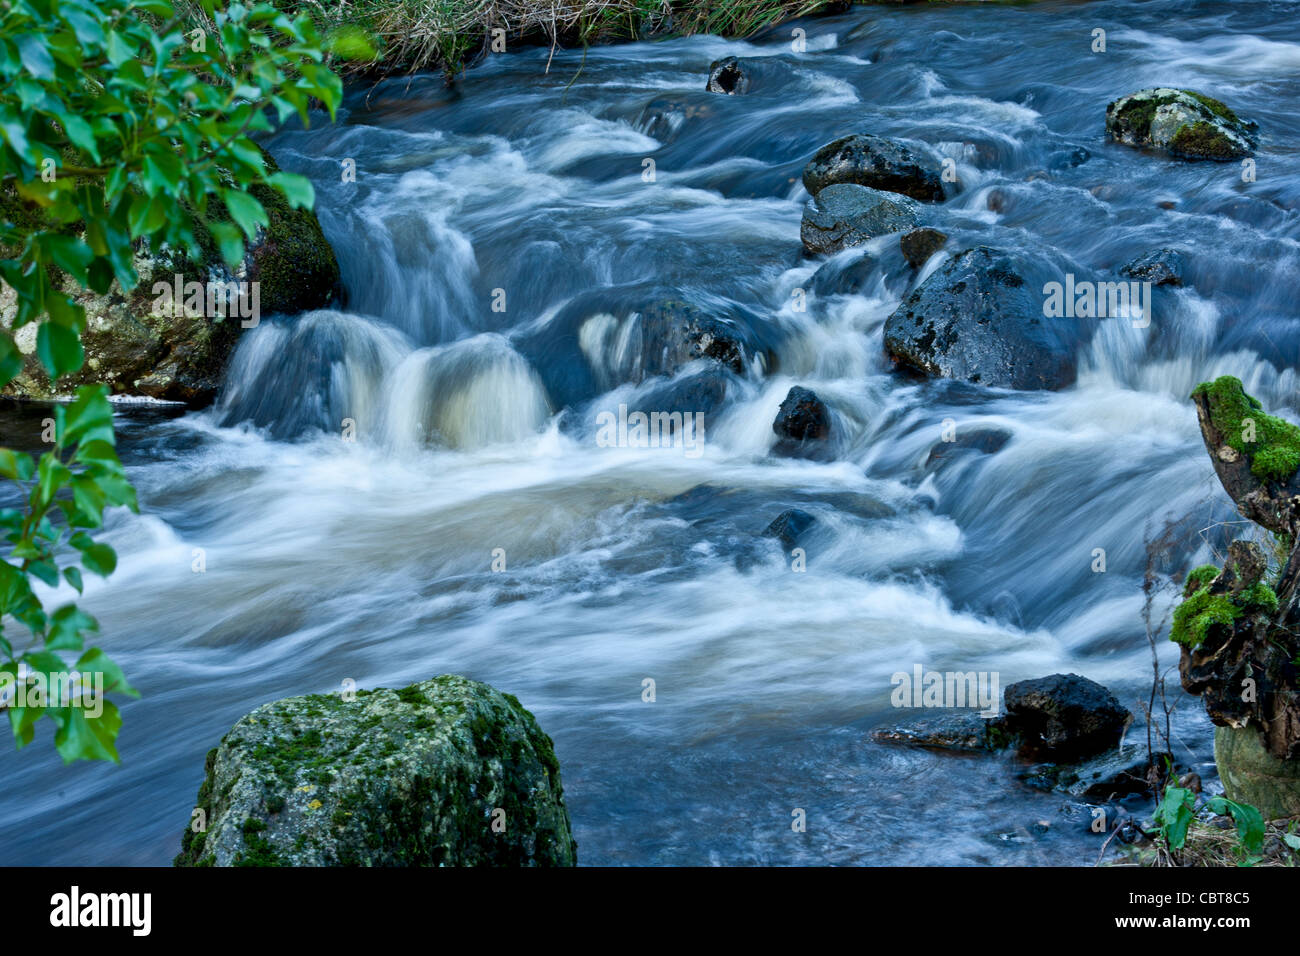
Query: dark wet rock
[[1162, 267], [979, 318], [674, 333], [802, 424], [447, 772], [611, 337], [1114, 774], [137, 347], [982, 441], [789, 526], [920, 244], [664, 118], [960, 731], [845, 215], [844, 278], [873, 161], [1185, 123], [1068, 158], [1065, 716], [729, 76], [703, 392]]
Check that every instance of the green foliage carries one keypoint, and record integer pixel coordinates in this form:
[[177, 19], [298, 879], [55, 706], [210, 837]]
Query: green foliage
[[1259, 596], [1177, 810], [121, 122], [1275, 450], [1198, 578], [1174, 815], [1250, 825], [1196, 615]]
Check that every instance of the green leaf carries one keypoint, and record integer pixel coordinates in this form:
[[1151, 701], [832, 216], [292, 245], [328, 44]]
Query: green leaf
[[15, 464], [99, 559], [298, 190], [1250, 822], [59, 349], [67, 625], [95, 661], [246, 211], [84, 737]]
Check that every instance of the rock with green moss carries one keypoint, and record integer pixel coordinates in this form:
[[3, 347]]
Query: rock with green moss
[[447, 772], [1252, 775], [1185, 123], [138, 348]]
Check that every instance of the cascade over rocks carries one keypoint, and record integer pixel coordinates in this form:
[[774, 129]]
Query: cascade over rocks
[[610, 337]]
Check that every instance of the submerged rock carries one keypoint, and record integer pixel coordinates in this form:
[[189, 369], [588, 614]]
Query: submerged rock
[[789, 526], [447, 772], [1113, 774], [802, 424], [1162, 267], [1183, 122], [983, 441], [962, 731], [920, 244], [867, 160], [137, 348], [845, 215], [979, 318], [1065, 716]]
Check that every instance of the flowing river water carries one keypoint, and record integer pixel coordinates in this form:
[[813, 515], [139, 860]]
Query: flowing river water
[[372, 560]]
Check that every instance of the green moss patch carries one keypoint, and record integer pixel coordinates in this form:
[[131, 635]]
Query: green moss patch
[[1275, 451], [1202, 139], [1194, 618]]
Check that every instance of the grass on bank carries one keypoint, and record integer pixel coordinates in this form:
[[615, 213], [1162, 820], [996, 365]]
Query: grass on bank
[[414, 35], [1216, 844]]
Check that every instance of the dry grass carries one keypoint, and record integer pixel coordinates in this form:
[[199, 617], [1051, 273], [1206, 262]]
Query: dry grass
[[417, 35], [1211, 845]]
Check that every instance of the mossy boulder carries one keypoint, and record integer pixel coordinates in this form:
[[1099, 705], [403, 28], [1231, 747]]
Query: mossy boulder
[[447, 772], [1252, 775], [136, 348], [1185, 123]]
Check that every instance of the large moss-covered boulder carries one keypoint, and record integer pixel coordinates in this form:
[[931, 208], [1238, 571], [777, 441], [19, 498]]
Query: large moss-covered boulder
[[138, 348], [1185, 123], [447, 772]]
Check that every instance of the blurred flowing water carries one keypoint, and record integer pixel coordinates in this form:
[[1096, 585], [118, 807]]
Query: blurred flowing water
[[371, 559]]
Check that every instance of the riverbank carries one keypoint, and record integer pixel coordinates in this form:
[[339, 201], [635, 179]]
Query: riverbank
[[416, 35]]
